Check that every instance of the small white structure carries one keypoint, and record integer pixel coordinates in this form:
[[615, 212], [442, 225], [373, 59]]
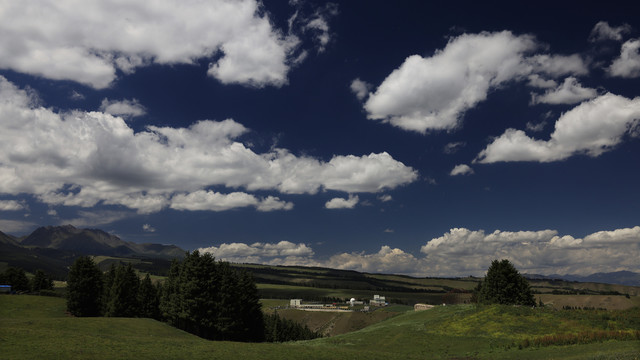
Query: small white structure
[[353, 302], [378, 301], [295, 303]]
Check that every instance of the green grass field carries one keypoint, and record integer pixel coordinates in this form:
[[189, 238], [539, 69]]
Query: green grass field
[[37, 328]]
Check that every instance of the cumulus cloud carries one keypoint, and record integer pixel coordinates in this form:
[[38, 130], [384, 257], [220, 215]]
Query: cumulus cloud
[[591, 128], [110, 36], [433, 93], [12, 205], [387, 260], [85, 158], [214, 201], [569, 92], [628, 64], [461, 169], [542, 252], [463, 252], [360, 88], [341, 203], [148, 228], [603, 31], [385, 198], [281, 253], [123, 108]]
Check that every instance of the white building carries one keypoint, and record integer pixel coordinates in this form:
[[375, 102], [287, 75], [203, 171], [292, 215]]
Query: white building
[[294, 303], [378, 301]]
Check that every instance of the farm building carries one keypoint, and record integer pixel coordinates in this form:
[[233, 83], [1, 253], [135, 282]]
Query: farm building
[[294, 303], [420, 307], [378, 301]]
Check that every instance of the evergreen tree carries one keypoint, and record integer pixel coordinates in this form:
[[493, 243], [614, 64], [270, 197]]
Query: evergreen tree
[[504, 285], [84, 288], [148, 298], [123, 300], [211, 300], [108, 278], [17, 278], [41, 282]]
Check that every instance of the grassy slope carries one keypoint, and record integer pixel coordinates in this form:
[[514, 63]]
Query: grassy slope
[[36, 327]]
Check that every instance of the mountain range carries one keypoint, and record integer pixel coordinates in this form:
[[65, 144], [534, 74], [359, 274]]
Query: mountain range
[[54, 248]]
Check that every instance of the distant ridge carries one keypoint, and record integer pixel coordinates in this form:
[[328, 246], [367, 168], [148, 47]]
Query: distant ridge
[[95, 242], [628, 278]]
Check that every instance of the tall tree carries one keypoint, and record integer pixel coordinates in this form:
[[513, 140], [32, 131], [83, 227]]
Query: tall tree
[[84, 288], [148, 298], [503, 284], [209, 299], [41, 281], [123, 299], [17, 278]]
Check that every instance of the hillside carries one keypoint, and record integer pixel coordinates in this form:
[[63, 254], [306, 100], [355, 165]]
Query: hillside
[[54, 248], [94, 242], [36, 327]]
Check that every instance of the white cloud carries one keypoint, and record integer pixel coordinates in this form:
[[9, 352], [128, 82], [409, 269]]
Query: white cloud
[[214, 201], [591, 128], [569, 92], [317, 23], [628, 64], [385, 198], [557, 65], [537, 81], [536, 127], [341, 203], [389, 231], [16, 226], [148, 228], [76, 96], [461, 169], [463, 252], [96, 218], [52, 212], [281, 253], [12, 205], [123, 108], [603, 31], [542, 252], [61, 40], [387, 260], [360, 88], [453, 147], [433, 93], [86, 158]]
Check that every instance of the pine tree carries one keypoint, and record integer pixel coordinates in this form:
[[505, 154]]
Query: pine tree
[[41, 281], [211, 300], [123, 300], [504, 285], [17, 278], [148, 299], [84, 288]]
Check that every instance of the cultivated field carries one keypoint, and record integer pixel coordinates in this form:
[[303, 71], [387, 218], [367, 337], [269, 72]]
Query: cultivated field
[[37, 327]]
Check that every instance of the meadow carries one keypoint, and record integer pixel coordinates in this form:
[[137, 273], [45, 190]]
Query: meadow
[[38, 327]]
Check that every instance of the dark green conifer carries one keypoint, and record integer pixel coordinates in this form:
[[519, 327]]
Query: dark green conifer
[[84, 288]]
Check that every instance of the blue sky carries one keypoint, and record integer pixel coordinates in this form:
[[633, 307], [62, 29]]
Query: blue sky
[[424, 138]]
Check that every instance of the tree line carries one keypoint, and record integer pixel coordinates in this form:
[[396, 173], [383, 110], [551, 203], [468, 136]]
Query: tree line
[[17, 278], [202, 296]]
